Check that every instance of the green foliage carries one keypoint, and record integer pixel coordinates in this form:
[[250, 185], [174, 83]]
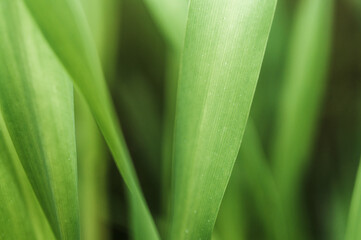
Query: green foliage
[[74, 47], [182, 77]]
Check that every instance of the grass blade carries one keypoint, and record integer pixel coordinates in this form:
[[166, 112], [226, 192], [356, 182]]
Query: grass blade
[[170, 16], [37, 105], [92, 162], [304, 85], [353, 230], [18, 201], [102, 17], [77, 52], [246, 181], [266, 195], [222, 56], [231, 220]]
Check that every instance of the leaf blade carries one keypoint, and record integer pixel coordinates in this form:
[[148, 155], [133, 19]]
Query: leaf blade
[[222, 56], [18, 202], [300, 101], [37, 105], [353, 231]]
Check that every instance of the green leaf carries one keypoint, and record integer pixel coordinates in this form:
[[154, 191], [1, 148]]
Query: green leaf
[[264, 190], [224, 47], [36, 101], [231, 220], [21, 215], [353, 229], [337, 222], [93, 163], [170, 16], [246, 182], [74, 47], [304, 84], [103, 18]]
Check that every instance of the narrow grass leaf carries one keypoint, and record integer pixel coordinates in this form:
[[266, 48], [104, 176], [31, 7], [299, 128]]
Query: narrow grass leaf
[[263, 189], [14, 212], [103, 19], [224, 47], [21, 215], [231, 221], [36, 101], [74, 47], [353, 229], [338, 214], [304, 84], [246, 181], [170, 16], [92, 162]]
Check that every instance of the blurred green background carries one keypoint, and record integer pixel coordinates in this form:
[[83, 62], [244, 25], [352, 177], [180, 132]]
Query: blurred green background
[[141, 67]]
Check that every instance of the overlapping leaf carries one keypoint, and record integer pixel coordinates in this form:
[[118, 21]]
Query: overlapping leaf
[[64, 26], [170, 16], [21, 214], [36, 101], [102, 17], [13, 210]]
